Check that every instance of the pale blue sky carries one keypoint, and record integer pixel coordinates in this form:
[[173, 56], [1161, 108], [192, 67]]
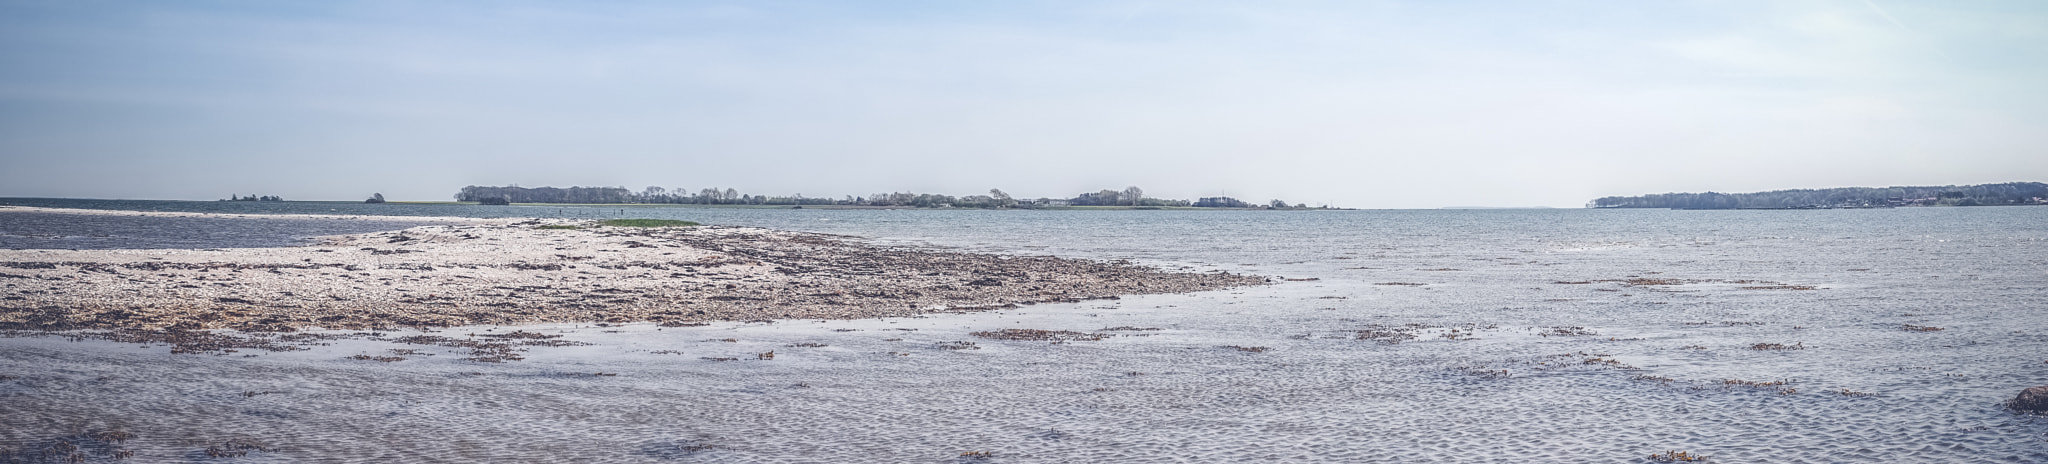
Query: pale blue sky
[[1387, 104]]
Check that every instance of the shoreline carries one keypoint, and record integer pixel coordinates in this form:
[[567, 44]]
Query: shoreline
[[511, 272]]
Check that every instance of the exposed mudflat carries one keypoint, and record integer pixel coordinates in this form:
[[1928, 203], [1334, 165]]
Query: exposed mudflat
[[535, 271]]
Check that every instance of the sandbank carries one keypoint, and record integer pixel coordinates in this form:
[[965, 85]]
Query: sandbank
[[511, 271]]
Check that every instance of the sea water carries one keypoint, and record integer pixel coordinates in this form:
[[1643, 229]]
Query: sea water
[[1389, 336]]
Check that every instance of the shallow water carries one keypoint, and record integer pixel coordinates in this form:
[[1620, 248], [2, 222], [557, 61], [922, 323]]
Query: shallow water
[[1584, 363], [39, 230]]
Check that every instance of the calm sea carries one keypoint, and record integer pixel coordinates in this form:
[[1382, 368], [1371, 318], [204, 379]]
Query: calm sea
[[1538, 336]]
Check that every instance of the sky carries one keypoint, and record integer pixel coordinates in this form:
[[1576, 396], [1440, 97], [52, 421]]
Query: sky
[[1356, 103]]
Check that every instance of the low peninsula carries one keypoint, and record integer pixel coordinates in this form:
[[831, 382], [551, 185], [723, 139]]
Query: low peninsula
[[2010, 193]]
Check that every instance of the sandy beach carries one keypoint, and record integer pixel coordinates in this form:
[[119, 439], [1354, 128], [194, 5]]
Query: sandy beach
[[496, 271]]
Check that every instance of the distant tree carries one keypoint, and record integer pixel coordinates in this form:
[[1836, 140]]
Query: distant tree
[[1003, 199], [1221, 202], [1133, 194], [1100, 198], [892, 199], [927, 200], [1276, 203], [375, 198]]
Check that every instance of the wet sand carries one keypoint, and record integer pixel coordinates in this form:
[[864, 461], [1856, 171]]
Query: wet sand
[[475, 271]]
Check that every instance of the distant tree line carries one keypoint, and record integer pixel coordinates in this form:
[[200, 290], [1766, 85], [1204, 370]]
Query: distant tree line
[[996, 198], [233, 197], [2012, 193], [1129, 196], [1221, 202], [517, 194]]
